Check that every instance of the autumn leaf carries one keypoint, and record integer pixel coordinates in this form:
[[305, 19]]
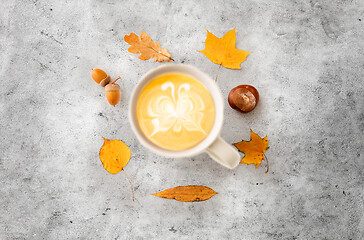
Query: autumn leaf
[[114, 155], [253, 150], [190, 193], [148, 49], [222, 51]]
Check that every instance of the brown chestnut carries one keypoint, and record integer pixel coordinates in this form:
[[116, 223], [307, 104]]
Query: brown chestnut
[[243, 98]]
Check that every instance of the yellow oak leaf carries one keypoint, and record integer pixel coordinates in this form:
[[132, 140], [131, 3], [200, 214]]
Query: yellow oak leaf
[[114, 155], [148, 49], [223, 51], [190, 193], [253, 150]]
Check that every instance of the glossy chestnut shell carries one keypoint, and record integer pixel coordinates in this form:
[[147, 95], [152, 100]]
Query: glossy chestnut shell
[[243, 98]]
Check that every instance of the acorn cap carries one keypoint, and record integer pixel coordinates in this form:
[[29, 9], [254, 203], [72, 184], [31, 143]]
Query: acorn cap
[[112, 87], [105, 81]]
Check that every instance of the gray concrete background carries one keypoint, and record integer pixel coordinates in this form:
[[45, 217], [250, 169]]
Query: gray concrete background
[[307, 63]]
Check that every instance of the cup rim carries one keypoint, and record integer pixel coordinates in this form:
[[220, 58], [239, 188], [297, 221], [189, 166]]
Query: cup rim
[[213, 90]]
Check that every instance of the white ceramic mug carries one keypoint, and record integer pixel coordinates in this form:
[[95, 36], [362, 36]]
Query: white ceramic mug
[[213, 144]]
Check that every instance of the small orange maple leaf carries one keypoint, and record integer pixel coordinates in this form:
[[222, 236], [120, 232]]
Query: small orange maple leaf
[[148, 49], [223, 51], [253, 150]]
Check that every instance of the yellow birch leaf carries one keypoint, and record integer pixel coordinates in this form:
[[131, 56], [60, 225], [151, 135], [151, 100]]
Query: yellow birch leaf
[[114, 155]]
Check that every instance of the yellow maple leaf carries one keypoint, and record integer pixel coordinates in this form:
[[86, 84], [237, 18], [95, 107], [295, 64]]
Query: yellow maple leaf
[[190, 193], [253, 150], [114, 155], [223, 51], [148, 49]]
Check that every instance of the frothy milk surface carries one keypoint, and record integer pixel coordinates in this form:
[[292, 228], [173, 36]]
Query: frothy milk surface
[[175, 111]]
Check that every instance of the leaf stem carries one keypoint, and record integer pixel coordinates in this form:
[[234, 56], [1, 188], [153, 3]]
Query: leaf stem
[[131, 186], [217, 73], [166, 56], [265, 157], [115, 80], [162, 54]]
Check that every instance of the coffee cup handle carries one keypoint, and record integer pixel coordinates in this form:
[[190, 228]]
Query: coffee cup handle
[[224, 153]]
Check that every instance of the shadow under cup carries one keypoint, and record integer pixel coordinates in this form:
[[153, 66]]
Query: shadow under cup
[[202, 78]]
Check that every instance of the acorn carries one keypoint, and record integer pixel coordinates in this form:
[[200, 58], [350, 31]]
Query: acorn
[[243, 98], [100, 77], [112, 92]]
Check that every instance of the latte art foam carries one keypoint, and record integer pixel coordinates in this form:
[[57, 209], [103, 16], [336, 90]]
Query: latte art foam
[[175, 111], [183, 111]]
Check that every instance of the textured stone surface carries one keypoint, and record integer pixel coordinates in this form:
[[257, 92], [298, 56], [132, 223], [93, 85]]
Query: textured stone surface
[[307, 63]]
